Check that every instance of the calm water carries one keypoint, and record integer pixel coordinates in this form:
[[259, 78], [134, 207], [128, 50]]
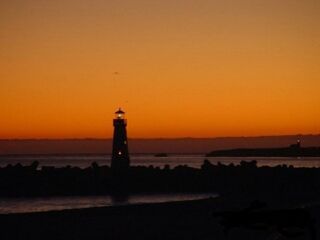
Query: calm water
[[23, 205], [196, 161]]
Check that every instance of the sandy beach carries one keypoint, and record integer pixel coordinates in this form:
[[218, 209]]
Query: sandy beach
[[175, 220]]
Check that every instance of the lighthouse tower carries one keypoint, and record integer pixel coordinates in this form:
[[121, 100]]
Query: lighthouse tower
[[120, 155]]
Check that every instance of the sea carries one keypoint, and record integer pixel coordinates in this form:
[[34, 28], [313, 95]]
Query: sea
[[173, 160], [24, 205]]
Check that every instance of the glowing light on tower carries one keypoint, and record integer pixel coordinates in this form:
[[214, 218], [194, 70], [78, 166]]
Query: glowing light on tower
[[120, 153]]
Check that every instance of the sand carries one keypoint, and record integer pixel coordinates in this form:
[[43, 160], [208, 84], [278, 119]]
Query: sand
[[176, 220]]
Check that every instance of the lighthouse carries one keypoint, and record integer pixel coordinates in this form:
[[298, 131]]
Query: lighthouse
[[120, 155]]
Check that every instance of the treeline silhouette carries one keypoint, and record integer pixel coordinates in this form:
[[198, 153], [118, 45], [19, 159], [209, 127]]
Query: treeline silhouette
[[243, 179]]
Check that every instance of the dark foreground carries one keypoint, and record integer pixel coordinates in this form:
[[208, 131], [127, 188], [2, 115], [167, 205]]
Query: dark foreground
[[246, 178], [201, 219], [256, 203]]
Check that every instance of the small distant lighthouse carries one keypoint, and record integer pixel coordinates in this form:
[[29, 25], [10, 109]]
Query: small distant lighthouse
[[120, 155]]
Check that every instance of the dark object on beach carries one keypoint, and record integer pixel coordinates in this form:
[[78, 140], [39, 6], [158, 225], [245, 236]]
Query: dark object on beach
[[161, 155], [290, 223]]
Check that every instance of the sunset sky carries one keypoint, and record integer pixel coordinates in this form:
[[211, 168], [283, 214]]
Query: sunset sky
[[179, 68]]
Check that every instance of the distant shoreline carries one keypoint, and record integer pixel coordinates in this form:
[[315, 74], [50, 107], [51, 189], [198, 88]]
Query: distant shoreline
[[151, 146], [294, 150]]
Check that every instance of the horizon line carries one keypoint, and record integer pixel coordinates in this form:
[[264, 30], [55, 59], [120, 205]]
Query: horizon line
[[157, 138]]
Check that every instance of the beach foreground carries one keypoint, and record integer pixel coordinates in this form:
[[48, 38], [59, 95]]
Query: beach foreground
[[199, 219]]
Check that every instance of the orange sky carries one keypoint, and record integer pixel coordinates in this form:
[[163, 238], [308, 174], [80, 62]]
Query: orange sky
[[198, 68]]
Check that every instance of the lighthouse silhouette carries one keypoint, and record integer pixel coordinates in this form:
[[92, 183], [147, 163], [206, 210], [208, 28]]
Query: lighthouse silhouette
[[120, 154]]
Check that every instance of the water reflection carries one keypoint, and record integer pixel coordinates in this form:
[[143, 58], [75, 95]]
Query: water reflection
[[23, 205]]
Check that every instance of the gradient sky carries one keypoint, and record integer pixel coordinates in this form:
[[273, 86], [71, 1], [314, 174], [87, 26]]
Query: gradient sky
[[201, 68]]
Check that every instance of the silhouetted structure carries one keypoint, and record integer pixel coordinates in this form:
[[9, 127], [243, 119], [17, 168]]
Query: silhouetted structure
[[120, 155], [297, 145]]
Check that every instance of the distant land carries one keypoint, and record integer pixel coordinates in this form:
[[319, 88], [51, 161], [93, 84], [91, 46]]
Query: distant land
[[160, 145], [294, 150]]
